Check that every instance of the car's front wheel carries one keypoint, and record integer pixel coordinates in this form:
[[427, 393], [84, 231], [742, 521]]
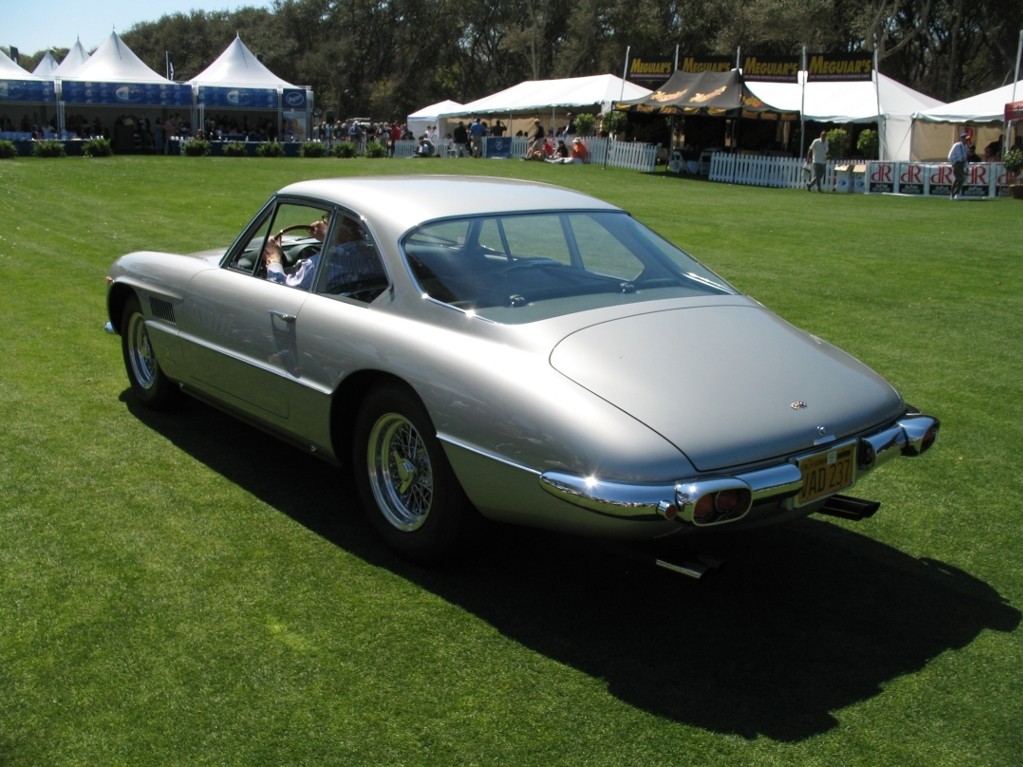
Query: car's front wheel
[[148, 382], [405, 481]]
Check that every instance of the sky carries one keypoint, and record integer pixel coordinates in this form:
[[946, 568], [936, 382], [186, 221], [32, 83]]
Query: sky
[[36, 25]]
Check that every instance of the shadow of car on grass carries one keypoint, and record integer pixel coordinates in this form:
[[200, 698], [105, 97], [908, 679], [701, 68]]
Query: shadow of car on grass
[[800, 621]]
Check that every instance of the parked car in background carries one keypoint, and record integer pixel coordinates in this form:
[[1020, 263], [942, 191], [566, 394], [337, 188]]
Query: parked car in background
[[479, 347]]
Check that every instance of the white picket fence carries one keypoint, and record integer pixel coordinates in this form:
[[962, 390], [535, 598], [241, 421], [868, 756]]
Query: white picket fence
[[780, 172], [615, 154], [630, 155]]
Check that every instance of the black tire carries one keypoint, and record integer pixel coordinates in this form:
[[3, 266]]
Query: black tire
[[149, 384], [405, 483]]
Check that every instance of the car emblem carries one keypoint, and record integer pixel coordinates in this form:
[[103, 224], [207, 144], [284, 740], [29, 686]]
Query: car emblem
[[799, 405]]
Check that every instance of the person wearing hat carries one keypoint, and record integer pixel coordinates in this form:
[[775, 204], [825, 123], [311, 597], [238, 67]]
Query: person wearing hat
[[959, 155], [577, 154]]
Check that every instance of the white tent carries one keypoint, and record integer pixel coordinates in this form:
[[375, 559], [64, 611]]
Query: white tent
[[936, 129], [237, 80], [114, 62], [888, 103], [581, 93], [422, 119], [237, 67], [24, 98], [74, 59], [988, 107], [47, 66], [11, 71], [114, 83]]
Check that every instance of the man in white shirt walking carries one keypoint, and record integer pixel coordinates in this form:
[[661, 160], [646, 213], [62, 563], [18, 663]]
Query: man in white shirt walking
[[959, 155], [818, 156]]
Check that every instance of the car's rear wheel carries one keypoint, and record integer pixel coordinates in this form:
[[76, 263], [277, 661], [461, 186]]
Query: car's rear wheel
[[148, 382], [405, 481]]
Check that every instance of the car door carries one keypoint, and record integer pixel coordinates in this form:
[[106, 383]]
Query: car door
[[240, 330], [241, 339]]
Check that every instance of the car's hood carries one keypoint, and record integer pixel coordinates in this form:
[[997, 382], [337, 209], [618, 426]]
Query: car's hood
[[727, 384]]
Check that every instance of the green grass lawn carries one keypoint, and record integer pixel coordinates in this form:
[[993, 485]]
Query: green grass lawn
[[178, 589]]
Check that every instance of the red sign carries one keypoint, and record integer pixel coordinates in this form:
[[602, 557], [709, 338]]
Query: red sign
[[1014, 111]]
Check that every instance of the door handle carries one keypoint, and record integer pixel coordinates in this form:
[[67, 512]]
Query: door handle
[[282, 316]]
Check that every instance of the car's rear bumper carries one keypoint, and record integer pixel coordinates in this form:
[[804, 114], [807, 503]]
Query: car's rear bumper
[[776, 485]]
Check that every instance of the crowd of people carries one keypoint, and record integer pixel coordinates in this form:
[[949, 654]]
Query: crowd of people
[[139, 132], [360, 131], [548, 145], [463, 141]]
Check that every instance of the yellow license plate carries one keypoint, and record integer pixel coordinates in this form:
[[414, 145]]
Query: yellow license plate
[[827, 473]]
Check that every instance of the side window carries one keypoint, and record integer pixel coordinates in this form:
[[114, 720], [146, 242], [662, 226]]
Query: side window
[[352, 265], [284, 244], [249, 254]]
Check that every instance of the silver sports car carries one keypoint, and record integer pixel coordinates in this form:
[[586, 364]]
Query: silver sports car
[[478, 346]]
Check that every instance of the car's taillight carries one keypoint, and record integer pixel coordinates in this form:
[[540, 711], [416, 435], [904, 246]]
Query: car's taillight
[[721, 506]]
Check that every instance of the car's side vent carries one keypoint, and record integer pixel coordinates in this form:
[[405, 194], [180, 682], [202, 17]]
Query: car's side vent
[[161, 309]]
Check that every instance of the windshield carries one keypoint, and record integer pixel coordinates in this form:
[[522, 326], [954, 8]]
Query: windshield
[[525, 267]]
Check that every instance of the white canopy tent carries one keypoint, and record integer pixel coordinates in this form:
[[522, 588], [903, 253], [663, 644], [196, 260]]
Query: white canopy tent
[[239, 81], [882, 100], [74, 59], [238, 67], [936, 129], [114, 62], [25, 98], [113, 80], [595, 93], [47, 66], [11, 71], [422, 119]]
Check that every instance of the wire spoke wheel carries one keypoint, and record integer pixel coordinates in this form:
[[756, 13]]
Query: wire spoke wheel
[[148, 381], [406, 485], [400, 472], [140, 352]]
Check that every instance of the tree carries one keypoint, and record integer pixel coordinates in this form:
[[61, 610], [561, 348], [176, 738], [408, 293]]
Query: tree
[[384, 58]]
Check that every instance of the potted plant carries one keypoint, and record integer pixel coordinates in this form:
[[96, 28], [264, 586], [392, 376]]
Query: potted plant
[[613, 124], [270, 149], [196, 147], [97, 147], [1013, 162], [838, 144], [584, 124], [867, 143]]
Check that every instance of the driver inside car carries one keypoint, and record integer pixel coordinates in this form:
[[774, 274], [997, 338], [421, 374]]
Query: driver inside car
[[350, 259], [302, 274]]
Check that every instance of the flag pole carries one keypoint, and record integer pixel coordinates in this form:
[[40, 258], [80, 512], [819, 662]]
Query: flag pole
[[882, 126], [1015, 80], [802, 107]]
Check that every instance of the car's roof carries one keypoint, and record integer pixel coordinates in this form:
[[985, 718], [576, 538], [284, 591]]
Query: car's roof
[[410, 200]]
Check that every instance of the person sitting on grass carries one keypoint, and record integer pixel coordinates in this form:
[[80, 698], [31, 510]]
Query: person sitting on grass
[[579, 154], [425, 147]]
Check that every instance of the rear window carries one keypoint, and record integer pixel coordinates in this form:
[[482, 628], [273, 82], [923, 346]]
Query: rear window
[[524, 267]]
